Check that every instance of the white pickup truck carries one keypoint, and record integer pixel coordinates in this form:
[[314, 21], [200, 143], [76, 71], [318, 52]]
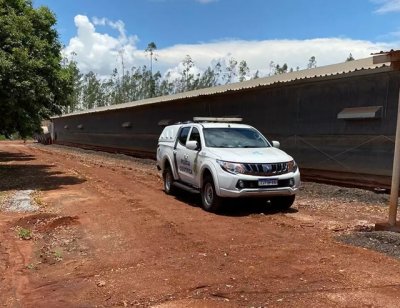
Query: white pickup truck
[[225, 160]]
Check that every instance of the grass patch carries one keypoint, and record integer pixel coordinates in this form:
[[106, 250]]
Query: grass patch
[[57, 254], [37, 199], [24, 234]]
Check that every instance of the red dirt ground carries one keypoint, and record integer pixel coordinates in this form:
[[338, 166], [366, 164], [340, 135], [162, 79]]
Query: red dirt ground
[[107, 235]]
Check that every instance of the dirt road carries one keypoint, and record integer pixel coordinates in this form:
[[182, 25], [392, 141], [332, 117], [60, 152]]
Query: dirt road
[[107, 235]]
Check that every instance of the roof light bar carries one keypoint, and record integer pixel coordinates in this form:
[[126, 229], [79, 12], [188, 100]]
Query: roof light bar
[[213, 119]]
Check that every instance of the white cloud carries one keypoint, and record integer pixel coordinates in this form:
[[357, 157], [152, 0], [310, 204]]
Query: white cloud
[[387, 6], [258, 54], [101, 52]]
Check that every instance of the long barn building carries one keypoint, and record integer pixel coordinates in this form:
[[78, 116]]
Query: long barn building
[[337, 121]]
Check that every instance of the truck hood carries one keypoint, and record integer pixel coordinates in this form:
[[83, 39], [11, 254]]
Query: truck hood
[[250, 155]]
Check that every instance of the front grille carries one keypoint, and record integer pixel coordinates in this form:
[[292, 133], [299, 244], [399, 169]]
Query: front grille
[[266, 169]]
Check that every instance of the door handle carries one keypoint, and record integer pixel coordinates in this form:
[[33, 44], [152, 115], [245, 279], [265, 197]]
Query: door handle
[[186, 156]]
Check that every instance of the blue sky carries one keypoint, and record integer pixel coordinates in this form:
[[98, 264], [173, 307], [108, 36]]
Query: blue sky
[[258, 31]]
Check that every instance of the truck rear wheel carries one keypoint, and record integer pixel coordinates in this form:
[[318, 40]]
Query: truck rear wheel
[[211, 202], [168, 181]]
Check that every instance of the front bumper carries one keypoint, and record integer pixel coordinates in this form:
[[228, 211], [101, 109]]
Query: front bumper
[[228, 185], [258, 192]]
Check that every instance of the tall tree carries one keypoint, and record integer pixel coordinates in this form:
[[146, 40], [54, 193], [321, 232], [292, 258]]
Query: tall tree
[[33, 83], [281, 69], [208, 79], [312, 62], [230, 73], [166, 86], [92, 92], [256, 75], [151, 47], [244, 70], [272, 68], [75, 99], [187, 76], [350, 58]]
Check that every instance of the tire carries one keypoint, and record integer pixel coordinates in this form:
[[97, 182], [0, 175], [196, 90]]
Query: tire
[[168, 178], [210, 201], [283, 202]]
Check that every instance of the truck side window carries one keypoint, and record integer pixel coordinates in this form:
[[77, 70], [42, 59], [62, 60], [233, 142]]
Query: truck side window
[[183, 135], [195, 136]]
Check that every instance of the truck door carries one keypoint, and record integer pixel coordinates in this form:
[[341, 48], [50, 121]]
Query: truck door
[[187, 159], [181, 156], [193, 157]]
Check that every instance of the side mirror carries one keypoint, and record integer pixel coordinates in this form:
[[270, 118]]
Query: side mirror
[[192, 145], [276, 144]]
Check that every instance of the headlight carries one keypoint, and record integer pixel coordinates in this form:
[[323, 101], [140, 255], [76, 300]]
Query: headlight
[[292, 166], [230, 167]]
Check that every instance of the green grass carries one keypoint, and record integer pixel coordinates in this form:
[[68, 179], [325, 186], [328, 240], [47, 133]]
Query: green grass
[[24, 234], [57, 255]]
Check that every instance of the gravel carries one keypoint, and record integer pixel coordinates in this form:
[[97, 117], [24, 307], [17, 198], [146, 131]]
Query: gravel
[[342, 194], [382, 241], [21, 201]]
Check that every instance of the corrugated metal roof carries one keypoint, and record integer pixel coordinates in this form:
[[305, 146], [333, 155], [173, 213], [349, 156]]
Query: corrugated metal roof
[[362, 66]]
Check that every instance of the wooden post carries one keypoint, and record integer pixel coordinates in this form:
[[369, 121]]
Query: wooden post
[[394, 194]]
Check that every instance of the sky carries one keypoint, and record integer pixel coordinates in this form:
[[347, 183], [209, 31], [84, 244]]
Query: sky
[[102, 34]]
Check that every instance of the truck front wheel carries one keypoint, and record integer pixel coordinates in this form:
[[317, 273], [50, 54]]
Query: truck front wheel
[[211, 202]]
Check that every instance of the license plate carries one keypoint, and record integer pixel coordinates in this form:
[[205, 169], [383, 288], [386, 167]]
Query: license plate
[[267, 182]]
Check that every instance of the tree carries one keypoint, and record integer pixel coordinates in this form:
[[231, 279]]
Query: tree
[[92, 92], [256, 75], [276, 69], [151, 47], [75, 99], [312, 63], [350, 58], [166, 87], [230, 73], [281, 69], [33, 83], [272, 68], [244, 70], [187, 76], [208, 79]]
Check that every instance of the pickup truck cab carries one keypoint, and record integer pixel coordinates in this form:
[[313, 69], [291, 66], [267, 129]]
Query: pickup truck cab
[[225, 160]]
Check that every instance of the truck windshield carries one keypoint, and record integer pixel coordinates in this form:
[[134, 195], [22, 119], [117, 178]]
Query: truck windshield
[[229, 137]]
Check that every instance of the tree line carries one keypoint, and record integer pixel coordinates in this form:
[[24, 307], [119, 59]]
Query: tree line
[[91, 91]]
